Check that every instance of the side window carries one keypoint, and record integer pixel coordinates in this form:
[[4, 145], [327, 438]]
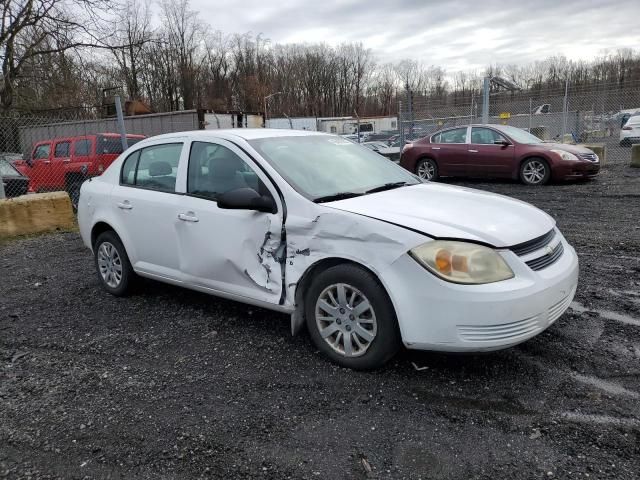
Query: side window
[[485, 136], [435, 138], [214, 169], [457, 135], [42, 151], [81, 147], [334, 129], [62, 149], [158, 167], [128, 174]]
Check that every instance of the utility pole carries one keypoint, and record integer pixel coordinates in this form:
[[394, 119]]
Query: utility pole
[[485, 100], [265, 105], [121, 127]]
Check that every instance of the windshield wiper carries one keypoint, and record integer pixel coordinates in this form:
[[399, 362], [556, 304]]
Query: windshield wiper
[[337, 196], [387, 186]]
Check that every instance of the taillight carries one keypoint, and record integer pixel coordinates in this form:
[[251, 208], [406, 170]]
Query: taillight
[[407, 147], [627, 128]]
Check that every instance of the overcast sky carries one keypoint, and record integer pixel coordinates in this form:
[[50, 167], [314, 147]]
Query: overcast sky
[[457, 35]]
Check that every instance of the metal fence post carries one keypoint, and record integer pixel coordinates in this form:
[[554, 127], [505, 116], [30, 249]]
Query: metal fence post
[[400, 123], [485, 100], [1, 187], [121, 127], [530, 112], [565, 109]]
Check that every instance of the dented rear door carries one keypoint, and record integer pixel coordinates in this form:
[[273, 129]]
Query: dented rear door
[[239, 252]]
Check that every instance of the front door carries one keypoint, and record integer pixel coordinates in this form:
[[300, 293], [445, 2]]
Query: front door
[[146, 206], [451, 152], [486, 158], [39, 171], [232, 251]]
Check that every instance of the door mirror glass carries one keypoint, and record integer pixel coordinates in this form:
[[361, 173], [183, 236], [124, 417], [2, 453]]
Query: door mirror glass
[[246, 198]]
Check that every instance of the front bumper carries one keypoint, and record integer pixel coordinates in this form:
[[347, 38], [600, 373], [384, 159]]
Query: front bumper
[[442, 316], [575, 170]]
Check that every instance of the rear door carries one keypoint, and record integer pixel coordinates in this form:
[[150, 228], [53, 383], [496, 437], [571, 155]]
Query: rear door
[[486, 158], [451, 151], [146, 204], [60, 162], [81, 154]]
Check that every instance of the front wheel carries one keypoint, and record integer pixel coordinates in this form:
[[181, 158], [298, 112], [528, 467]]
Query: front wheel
[[350, 318], [427, 169], [535, 171]]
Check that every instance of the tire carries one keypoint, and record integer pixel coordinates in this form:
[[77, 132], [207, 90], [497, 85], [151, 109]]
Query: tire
[[117, 276], [372, 332], [535, 171], [427, 169], [625, 143]]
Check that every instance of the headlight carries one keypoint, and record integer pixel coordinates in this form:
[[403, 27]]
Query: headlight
[[462, 262], [564, 155]]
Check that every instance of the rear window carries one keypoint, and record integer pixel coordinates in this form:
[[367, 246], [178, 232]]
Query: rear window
[[113, 145]]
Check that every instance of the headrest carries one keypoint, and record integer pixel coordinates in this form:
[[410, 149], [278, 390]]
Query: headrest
[[159, 169], [225, 166]]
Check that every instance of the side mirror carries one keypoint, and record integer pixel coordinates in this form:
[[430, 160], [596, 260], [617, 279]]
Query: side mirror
[[504, 143], [246, 199]]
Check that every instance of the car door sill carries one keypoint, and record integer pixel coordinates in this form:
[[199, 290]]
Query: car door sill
[[218, 293]]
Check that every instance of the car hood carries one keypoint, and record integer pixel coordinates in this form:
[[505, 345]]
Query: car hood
[[575, 149], [444, 211]]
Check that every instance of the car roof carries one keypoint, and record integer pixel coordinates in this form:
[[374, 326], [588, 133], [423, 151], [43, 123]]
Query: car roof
[[232, 134]]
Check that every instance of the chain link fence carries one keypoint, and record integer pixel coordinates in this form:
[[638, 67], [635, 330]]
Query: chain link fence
[[58, 150], [582, 116]]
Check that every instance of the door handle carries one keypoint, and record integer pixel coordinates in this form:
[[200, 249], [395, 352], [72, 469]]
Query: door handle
[[66, 160], [46, 161], [188, 217], [473, 151], [435, 148], [125, 205]]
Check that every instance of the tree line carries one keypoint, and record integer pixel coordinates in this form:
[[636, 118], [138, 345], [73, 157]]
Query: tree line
[[57, 54]]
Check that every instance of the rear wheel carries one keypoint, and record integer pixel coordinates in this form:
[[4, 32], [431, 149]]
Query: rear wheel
[[427, 169], [351, 319], [535, 171], [112, 264]]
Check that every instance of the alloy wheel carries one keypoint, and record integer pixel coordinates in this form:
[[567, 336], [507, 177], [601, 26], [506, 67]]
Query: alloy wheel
[[110, 264], [534, 172], [345, 319], [426, 170]]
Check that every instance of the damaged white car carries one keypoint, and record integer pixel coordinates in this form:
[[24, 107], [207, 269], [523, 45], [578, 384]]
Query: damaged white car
[[360, 250]]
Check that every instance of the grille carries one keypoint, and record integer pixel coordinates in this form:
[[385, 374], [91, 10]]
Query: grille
[[592, 157], [533, 245], [559, 308], [546, 260], [505, 331]]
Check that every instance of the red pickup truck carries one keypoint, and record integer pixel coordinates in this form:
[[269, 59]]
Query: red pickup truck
[[64, 163]]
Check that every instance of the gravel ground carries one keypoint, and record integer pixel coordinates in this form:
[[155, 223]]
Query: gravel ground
[[174, 384]]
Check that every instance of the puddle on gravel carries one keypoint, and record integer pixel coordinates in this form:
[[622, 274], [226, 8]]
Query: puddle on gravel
[[608, 314], [599, 419], [469, 403], [609, 387]]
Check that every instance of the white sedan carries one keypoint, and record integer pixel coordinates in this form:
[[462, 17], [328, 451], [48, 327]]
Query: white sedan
[[360, 250]]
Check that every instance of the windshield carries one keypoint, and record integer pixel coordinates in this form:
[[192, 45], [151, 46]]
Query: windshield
[[7, 169], [323, 165], [519, 135]]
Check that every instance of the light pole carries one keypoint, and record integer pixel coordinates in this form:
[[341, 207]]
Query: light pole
[[265, 105]]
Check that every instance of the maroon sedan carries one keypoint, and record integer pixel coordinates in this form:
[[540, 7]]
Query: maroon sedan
[[497, 151]]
